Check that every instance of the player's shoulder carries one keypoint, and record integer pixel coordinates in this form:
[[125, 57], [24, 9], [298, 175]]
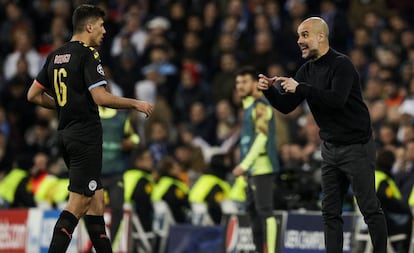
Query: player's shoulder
[[79, 48], [90, 50]]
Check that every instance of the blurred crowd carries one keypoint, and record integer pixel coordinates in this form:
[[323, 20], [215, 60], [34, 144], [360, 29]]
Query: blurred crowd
[[182, 57]]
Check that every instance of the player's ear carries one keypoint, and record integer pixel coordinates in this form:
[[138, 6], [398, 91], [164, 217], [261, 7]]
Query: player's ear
[[89, 27]]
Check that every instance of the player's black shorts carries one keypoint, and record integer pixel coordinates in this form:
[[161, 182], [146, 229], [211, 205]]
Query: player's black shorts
[[84, 161]]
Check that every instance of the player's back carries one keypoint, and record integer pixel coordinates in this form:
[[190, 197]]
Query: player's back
[[72, 70]]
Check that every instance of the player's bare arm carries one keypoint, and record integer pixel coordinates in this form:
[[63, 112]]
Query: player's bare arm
[[103, 98], [38, 95]]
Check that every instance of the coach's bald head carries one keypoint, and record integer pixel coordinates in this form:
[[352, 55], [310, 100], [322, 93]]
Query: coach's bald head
[[313, 38]]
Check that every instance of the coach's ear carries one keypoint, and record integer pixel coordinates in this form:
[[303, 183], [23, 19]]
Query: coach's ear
[[321, 36]]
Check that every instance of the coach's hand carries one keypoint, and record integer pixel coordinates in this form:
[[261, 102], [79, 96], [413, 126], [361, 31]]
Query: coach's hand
[[265, 82], [288, 84]]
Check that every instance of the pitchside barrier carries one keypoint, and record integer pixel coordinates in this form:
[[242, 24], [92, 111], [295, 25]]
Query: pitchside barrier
[[30, 231]]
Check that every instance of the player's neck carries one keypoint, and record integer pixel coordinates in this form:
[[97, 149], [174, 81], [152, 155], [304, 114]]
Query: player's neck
[[81, 38]]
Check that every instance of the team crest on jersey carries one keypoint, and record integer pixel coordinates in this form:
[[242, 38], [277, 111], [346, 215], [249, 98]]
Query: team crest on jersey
[[100, 69]]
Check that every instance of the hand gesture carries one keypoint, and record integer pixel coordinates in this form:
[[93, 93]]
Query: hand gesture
[[288, 84], [265, 82]]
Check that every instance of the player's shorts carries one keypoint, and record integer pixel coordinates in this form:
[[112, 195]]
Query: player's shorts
[[84, 161]]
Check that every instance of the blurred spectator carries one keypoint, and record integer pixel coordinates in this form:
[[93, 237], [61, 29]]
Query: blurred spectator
[[158, 140], [388, 59], [147, 88], [189, 155], [222, 83], [211, 188], [42, 15], [41, 137], [239, 19], [112, 86], [6, 156], [211, 21], [23, 48], [139, 184], [388, 38], [58, 31], [112, 21], [160, 62], [262, 53], [63, 9], [374, 22], [20, 113], [260, 23], [45, 195], [406, 108], [14, 186], [192, 47], [387, 138], [158, 28], [15, 19], [226, 124], [362, 40], [291, 157], [132, 29], [407, 68], [177, 15], [360, 61], [125, 72], [225, 44], [394, 96], [403, 169], [172, 190], [4, 123], [291, 55], [38, 171], [358, 9], [274, 13], [396, 209], [57, 168], [191, 89], [336, 19], [201, 123], [311, 151], [194, 24]]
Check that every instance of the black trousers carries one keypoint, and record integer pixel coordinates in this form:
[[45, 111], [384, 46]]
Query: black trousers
[[259, 201], [350, 164]]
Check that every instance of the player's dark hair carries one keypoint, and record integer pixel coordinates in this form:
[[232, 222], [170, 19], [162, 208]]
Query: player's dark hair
[[84, 13], [248, 70]]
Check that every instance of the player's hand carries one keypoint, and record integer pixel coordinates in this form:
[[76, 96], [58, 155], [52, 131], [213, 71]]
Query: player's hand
[[143, 107], [238, 171], [265, 82]]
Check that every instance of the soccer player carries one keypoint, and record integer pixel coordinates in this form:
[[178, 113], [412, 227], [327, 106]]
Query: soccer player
[[73, 81]]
